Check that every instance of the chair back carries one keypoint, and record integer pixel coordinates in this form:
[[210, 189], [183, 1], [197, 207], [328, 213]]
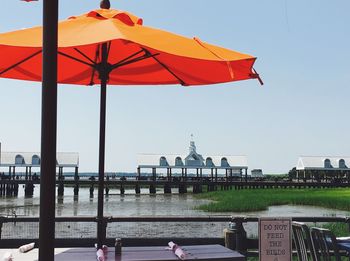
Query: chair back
[[324, 244], [302, 242]]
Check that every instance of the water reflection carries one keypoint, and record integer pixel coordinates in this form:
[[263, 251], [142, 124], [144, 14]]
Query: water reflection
[[59, 206], [75, 206]]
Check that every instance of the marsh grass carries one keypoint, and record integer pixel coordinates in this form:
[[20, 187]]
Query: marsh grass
[[339, 229], [261, 199]]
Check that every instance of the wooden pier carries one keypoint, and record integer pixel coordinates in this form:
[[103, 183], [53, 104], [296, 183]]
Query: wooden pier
[[193, 185]]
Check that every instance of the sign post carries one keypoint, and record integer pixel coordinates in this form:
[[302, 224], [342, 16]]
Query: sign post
[[275, 239]]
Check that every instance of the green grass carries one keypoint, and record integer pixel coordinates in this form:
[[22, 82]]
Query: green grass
[[261, 199], [339, 229]]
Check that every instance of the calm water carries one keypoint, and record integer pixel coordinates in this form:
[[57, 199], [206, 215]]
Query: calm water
[[142, 205], [115, 204]]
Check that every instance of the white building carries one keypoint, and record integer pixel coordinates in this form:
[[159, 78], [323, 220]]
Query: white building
[[323, 167], [29, 160], [323, 163], [231, 165], [32, 159]]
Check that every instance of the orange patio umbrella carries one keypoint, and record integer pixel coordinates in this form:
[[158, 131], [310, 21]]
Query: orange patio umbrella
[[108, 46], [136, 54]]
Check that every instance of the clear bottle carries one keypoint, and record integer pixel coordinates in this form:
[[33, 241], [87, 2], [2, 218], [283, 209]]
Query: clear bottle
[[118, 246]]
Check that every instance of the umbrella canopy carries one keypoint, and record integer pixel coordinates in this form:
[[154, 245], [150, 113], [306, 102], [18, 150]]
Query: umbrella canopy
[[137, 54]]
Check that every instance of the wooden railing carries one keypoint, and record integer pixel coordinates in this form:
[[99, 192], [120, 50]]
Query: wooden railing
[[241, 242]]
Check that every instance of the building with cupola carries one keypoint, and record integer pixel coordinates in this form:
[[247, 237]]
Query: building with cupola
[[214, 166]]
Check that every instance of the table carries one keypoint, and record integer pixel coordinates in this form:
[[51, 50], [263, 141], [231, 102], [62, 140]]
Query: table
[[195, 252]]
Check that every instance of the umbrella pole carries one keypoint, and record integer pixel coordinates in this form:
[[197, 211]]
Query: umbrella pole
[[101, 224], [48, 132]]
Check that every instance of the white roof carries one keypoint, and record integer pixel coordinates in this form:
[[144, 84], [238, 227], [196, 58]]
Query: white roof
[[318, 162], [153, 160], [64, 159]]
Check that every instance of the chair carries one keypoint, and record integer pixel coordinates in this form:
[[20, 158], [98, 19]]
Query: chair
[[302, 242], [324, 244]]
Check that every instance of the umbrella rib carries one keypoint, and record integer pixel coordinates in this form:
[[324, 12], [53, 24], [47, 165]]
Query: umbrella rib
[[94, 68], [165, 67], [84, 55], [144, 57], [170, 71], [126, 59], [256, 75], [109, 47], [20, 62], [76, 59]]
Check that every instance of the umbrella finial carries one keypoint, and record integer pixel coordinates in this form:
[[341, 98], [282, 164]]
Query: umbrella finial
[[105, 4]]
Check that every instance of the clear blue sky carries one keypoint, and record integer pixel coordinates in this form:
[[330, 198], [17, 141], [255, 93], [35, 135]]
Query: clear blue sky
[[303, 108]]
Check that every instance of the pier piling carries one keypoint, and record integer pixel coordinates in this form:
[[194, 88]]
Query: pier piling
[[137, 189], [167, 188], [29, 189], [76, 189], [152, 189], [182, 189], [60, 189], [92, 191]]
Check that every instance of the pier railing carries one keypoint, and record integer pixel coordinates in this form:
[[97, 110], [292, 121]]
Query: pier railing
[[196, 185], [147, 230]]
